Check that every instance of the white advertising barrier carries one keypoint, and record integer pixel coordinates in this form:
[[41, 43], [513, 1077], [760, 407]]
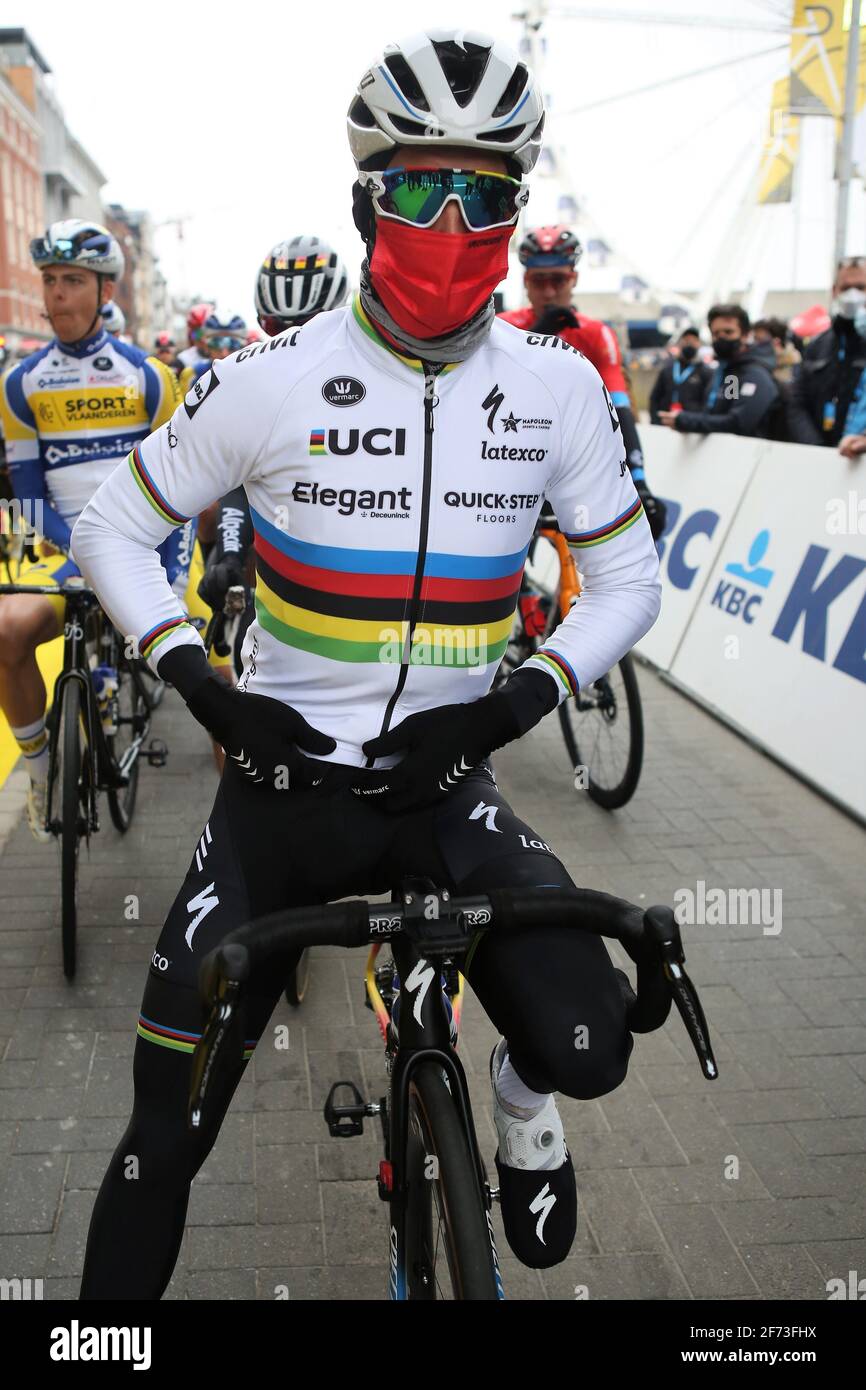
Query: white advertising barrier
[[702, 479], [777, 639]]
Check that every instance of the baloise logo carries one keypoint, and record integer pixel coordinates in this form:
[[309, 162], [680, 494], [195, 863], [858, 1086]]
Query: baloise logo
[[344, 390], [329, 442]]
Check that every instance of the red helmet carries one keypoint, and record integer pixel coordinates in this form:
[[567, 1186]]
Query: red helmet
[[164, 341], [195, 321], [550, 246]]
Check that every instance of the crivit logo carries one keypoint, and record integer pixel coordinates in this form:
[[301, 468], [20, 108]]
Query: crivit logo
[[282, 340], [732, 598], [324, 441], [344, 390], [819, 581]]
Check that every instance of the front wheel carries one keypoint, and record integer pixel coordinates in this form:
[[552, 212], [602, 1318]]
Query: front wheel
[[603, 731], [72, 823], [448, 1246]]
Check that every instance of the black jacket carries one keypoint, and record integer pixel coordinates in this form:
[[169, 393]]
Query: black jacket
[[746, 402], [821, 378], [690, 394]]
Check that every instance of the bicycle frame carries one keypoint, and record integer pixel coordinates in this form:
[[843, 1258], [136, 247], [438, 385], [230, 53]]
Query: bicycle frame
[[424, 1036]]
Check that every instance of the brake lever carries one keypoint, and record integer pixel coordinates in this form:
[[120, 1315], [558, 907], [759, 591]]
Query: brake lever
[[663, 930], [223, 975]]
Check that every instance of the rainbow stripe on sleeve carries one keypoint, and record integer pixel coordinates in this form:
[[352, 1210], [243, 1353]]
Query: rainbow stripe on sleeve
[[557, 666], [151, 640], [582, 540], [149, 489]]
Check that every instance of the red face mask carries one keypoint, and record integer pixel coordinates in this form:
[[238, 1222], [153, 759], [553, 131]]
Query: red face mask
[[433, 282]]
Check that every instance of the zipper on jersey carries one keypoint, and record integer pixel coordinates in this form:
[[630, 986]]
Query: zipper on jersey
[[431, 400]]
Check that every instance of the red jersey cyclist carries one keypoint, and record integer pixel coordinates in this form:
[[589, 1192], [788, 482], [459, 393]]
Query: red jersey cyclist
[[550, 256]]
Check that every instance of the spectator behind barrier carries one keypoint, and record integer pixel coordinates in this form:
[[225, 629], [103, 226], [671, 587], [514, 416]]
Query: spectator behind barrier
[[742, 397], [825, 382], [771, 337], [683, 379]]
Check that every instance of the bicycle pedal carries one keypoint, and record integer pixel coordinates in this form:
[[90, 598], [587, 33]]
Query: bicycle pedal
[[345, 1121], [156, 753]]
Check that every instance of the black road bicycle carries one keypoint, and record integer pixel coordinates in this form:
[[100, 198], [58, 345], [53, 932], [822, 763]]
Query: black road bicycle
[[432, 1178], [92, 749]]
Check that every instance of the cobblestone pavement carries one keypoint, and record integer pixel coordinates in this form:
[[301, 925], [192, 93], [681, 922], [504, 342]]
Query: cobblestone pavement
[[280, 1203]]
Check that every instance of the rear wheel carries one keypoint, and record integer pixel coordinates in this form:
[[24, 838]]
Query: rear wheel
[[603, 731], [72, 821], [448, 1248]]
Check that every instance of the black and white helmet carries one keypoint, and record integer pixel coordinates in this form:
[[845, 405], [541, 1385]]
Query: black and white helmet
[[299, 278], [447, 87]]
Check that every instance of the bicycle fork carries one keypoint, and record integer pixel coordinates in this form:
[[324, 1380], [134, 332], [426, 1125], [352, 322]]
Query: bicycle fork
[[424, 1037]]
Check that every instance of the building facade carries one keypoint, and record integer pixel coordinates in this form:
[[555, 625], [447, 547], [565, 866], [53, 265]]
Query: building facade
[[21, 201]]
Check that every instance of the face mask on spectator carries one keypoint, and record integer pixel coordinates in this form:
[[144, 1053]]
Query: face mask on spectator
[[860, 321], [687, 352], [726, 348], [846, 304]]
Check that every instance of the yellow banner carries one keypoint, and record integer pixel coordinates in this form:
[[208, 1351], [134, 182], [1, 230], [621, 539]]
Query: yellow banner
[[818, 44], [781, 147]]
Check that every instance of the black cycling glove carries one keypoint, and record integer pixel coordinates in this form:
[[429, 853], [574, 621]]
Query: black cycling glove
[[443, 745], [261, 736], [656, 511], [218, 579], [553, 319]]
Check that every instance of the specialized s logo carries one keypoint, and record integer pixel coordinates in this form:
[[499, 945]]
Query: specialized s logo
[[345, 390], [203, 903], [199, 392], [421, 979], [329, 442], [543, 1205], [491, 403]]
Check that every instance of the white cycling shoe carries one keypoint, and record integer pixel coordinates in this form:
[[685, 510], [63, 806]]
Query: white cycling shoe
[[537, 1190], [37, 806]]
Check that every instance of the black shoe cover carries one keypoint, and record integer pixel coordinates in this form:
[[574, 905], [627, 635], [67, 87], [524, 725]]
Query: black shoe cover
[[539, 1212]]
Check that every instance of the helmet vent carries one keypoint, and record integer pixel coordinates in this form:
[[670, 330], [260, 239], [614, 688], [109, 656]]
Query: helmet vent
[[429, 132], [360, 113], [510, 96], [510, 133], [464, 67], [406, 81]]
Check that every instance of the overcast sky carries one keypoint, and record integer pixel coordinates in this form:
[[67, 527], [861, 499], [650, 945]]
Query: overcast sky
[[239, 124]]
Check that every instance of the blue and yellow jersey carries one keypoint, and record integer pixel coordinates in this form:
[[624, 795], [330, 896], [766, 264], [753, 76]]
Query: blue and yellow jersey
[[70, 414]]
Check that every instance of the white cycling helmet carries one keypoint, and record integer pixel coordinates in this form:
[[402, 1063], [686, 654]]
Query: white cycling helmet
[[76, 242], [447, 87], [299, 278], [113, 317]]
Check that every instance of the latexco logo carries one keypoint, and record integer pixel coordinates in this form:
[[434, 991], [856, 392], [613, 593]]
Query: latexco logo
[[77, 1343], [344, 390]]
